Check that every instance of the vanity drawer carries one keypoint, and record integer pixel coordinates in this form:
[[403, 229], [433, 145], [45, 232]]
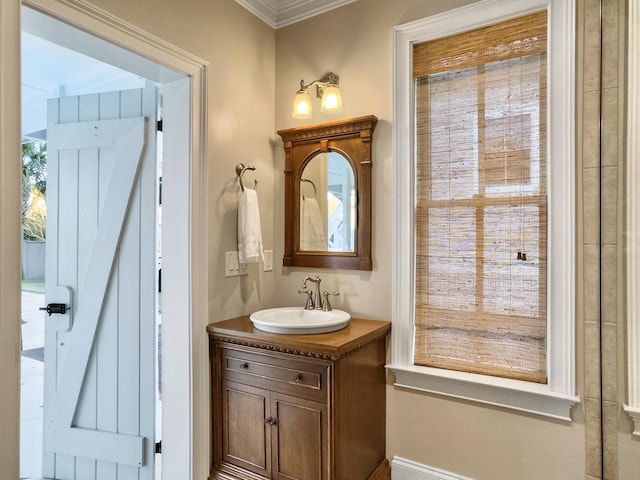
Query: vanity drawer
[[278, 374]]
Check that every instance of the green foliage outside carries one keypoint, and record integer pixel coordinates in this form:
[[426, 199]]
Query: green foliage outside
[[34, 188], [35, 222]]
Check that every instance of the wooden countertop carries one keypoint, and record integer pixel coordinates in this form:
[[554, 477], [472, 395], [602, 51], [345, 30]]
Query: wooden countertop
[[331, 345]]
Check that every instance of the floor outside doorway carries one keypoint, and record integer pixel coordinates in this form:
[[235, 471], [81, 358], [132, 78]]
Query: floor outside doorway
[[31, 388]]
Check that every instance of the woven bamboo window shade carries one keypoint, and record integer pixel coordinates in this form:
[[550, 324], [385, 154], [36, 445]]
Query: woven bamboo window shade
[[481, 212]]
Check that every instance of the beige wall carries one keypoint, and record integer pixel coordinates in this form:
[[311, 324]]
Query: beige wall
[[481, 442]]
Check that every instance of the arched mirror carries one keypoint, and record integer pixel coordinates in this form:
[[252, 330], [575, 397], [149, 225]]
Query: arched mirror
[[328, 194]]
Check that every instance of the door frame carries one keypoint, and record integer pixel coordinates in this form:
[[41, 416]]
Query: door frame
[[185, 274]]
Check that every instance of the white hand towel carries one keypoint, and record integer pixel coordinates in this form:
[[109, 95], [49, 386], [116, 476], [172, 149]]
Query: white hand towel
[[312, 236], [249, 232]]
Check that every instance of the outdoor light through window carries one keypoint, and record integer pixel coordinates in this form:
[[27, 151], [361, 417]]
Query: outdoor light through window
[[326, 88]]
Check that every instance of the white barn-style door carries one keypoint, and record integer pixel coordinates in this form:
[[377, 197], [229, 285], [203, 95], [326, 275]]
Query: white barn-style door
[[99, 418]]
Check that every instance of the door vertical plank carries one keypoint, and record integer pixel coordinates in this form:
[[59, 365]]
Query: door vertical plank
[[148, 201], [67, 245], [129, 296], [129, 329], [130, 103], [107, 402], [129, 391], [86, 415], [88, 171], [51, 267], [109, 105], [107, 387]]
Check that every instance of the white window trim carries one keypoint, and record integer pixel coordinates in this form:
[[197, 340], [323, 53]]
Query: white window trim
[[632, 407], [557, 397]]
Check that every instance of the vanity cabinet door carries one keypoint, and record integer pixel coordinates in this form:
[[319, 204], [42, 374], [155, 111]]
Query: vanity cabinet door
[[246, 435], [272, 434], [299, 438]]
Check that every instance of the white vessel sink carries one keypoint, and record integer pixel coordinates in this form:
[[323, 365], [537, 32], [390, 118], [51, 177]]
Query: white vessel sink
[[297, 320]]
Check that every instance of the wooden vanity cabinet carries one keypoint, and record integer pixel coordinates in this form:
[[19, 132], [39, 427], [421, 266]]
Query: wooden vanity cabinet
[[298, 407]]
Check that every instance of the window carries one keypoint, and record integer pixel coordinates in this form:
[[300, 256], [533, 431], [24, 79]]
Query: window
[[480, 102], [483, 179]]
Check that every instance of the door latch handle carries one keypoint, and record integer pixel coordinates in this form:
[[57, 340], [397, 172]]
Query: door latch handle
[[63, 308], [59, 308]]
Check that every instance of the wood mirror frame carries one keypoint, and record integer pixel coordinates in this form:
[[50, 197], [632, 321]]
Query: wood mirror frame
[[352, 139]]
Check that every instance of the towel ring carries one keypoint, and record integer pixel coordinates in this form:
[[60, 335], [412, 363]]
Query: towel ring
[[315, 191], [240, 169]]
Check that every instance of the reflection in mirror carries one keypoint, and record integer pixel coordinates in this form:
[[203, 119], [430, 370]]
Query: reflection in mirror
[[327, 204]]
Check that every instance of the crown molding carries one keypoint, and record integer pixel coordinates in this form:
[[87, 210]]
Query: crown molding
[[280, 13]]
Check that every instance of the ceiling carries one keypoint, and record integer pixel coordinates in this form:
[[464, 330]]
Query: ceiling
[[280, 13]]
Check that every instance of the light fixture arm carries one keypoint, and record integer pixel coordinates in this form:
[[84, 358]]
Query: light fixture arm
[[328, 78]]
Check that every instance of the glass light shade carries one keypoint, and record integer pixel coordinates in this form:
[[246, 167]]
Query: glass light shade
[[331, 100], [302, 105]]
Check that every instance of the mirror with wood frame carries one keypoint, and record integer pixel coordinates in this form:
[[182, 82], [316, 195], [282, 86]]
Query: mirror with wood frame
[[328, 194]]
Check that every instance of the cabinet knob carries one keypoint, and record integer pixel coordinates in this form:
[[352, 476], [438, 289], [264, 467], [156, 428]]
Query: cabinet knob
[[297, 377], [244, 366], [270, 421]]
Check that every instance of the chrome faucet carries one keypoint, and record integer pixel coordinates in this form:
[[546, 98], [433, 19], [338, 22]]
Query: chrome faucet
[[313, 301]]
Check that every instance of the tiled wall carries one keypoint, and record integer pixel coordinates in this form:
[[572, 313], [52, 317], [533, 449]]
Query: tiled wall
[[588, 264], [600, 161]]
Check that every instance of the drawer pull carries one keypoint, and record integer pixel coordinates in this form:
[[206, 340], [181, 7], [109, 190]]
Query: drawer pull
[[244, 366], [297, 377]]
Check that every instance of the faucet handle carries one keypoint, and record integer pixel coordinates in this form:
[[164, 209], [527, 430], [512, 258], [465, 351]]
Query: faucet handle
[[309, 305], [326, 306], [316, 280]]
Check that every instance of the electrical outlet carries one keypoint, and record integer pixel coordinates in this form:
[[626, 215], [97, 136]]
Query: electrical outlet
[[231, 264], [232, 267], [268, 260]]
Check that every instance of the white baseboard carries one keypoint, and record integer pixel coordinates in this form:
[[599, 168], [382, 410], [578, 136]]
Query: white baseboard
[[403, 469]]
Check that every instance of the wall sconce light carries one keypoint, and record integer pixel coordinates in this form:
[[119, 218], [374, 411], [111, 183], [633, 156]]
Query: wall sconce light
[[326, 88]]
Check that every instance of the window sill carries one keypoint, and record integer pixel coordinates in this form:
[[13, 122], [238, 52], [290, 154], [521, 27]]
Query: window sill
[[634, 413], [512, 394]]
